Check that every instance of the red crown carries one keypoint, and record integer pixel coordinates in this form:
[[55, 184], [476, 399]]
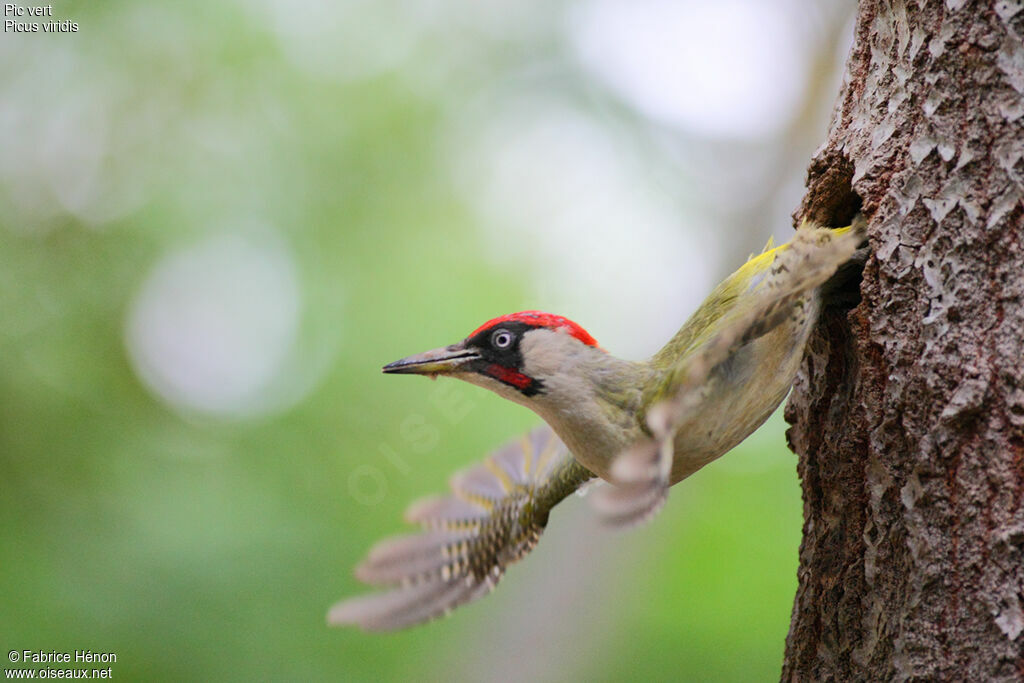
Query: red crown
[[540, 319]]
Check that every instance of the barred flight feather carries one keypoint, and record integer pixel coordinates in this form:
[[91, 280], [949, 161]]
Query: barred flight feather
[[495, 516]]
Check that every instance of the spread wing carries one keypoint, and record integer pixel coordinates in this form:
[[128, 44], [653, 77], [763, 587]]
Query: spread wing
[[765, 294], [494, 516]]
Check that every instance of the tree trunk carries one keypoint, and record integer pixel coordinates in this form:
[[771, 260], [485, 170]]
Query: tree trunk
[[908, 415]]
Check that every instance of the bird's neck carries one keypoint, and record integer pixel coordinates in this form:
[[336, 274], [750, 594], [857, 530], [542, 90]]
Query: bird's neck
[[594, 409]]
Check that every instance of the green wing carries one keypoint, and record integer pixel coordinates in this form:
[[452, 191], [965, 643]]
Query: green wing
[[494, 517], [769, 290], [762, 294]]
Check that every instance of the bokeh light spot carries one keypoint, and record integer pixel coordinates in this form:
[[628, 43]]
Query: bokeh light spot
[[213, 325], [732, 68]]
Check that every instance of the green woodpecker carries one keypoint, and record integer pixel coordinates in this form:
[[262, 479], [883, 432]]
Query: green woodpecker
[[640, 426]]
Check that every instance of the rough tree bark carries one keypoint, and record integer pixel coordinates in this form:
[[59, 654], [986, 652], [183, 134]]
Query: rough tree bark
[[908, 416]]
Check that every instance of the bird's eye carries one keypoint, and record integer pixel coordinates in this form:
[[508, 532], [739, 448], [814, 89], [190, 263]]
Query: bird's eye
[[501, 339]]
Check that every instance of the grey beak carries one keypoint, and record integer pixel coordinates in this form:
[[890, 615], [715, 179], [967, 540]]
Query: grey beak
[[441, 361]]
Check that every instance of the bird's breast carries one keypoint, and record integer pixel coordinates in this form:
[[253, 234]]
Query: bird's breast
[[743, 392]]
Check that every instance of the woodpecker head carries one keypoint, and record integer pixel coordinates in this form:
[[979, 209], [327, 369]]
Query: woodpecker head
[[528, 357]]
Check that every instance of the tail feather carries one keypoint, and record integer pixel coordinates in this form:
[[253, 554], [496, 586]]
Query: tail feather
[[641, 484], [626, 505]]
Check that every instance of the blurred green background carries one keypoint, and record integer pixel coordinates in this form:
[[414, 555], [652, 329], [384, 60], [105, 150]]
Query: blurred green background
[[218, 220]]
